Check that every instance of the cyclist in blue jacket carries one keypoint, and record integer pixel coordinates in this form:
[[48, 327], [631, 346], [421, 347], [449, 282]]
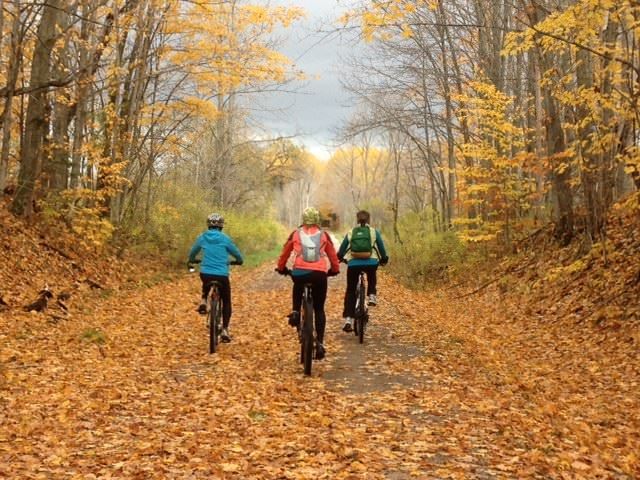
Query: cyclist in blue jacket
[[216, 248]]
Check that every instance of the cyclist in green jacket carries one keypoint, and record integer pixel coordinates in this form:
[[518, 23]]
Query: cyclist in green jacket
[[364, 249]]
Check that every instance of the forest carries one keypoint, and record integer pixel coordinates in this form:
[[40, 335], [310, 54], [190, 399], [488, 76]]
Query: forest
[[495, 144]]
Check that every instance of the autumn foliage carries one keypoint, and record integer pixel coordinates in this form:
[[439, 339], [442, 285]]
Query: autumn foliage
[[495, 146], [531, 376]]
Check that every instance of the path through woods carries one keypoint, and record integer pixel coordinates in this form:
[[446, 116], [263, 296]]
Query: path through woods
[[442, 388]]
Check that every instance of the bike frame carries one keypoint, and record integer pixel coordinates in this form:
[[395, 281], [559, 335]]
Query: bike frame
[[306, 331], [214, 313], [214, 308], [361, 309]]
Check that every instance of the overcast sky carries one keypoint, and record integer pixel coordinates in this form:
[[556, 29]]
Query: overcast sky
[[320, 106]]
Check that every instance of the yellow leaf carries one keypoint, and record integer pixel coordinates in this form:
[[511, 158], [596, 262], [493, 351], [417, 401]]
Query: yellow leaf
[[578, 465], [230, 467]]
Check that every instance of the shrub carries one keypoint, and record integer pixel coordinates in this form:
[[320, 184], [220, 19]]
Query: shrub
[[179, 214], [77, 212], [254, 235], [424, 257]]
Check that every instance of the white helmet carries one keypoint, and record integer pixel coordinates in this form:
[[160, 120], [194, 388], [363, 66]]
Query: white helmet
[[215, 220]]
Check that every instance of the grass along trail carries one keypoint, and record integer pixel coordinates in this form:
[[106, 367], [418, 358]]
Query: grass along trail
[[442, 388]]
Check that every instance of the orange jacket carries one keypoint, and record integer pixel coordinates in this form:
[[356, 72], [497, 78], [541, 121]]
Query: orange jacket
[[328, 257]]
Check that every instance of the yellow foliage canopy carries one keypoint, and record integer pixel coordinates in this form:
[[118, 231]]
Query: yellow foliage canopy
[[492, 183], [223, 47]]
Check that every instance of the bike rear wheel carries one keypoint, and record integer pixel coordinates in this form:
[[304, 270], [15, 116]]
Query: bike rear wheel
[[306, 344], [214, 323], [362, 325]]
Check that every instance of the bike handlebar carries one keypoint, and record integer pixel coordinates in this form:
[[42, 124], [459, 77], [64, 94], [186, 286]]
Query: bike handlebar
[[190, 265], [287, 272], [380, 261]]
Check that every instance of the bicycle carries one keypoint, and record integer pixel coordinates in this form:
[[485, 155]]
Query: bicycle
[[214, 310], [305, 327], [361, 314], [361, 318]]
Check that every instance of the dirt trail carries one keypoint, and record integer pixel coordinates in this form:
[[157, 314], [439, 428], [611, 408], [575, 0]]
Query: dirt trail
[[353, 367], [441, 389]]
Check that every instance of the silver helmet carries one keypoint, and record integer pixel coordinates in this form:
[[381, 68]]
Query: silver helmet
[[215, 220]]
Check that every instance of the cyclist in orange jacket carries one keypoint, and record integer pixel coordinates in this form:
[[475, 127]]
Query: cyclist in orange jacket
[[314, 254]]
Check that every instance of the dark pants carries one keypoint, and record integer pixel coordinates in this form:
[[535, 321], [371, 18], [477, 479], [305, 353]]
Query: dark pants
[[352, 283], [318, 281], [225, 294]]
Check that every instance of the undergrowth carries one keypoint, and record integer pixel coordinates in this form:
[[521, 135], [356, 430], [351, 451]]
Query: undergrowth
[[421, 257], [178, 216]]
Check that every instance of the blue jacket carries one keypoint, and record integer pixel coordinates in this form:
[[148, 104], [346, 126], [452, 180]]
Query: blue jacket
[[216, 248], [361, 262]]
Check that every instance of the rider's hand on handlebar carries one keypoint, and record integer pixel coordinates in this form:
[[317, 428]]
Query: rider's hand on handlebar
[[284, 271], [332, 273], [384, 261], [236, 262]]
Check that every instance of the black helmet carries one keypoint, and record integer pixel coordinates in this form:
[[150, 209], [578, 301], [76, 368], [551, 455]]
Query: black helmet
[[215, 220]]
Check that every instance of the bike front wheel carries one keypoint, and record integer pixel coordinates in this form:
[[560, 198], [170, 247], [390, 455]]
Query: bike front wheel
[[361, 313]]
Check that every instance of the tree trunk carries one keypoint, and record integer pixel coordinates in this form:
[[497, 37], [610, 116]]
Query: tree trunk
[[395, 205], [556, 147], [6, 119], [36, 122], [81, 94], [457, 80], [57, 169]]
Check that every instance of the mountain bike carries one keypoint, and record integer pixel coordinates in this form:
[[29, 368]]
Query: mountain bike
[[361, 318], [214, 311], [214, 315], [361, 313], [305, 328]]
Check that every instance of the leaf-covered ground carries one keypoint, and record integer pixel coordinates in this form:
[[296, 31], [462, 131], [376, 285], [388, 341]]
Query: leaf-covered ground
[[444, 387]]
